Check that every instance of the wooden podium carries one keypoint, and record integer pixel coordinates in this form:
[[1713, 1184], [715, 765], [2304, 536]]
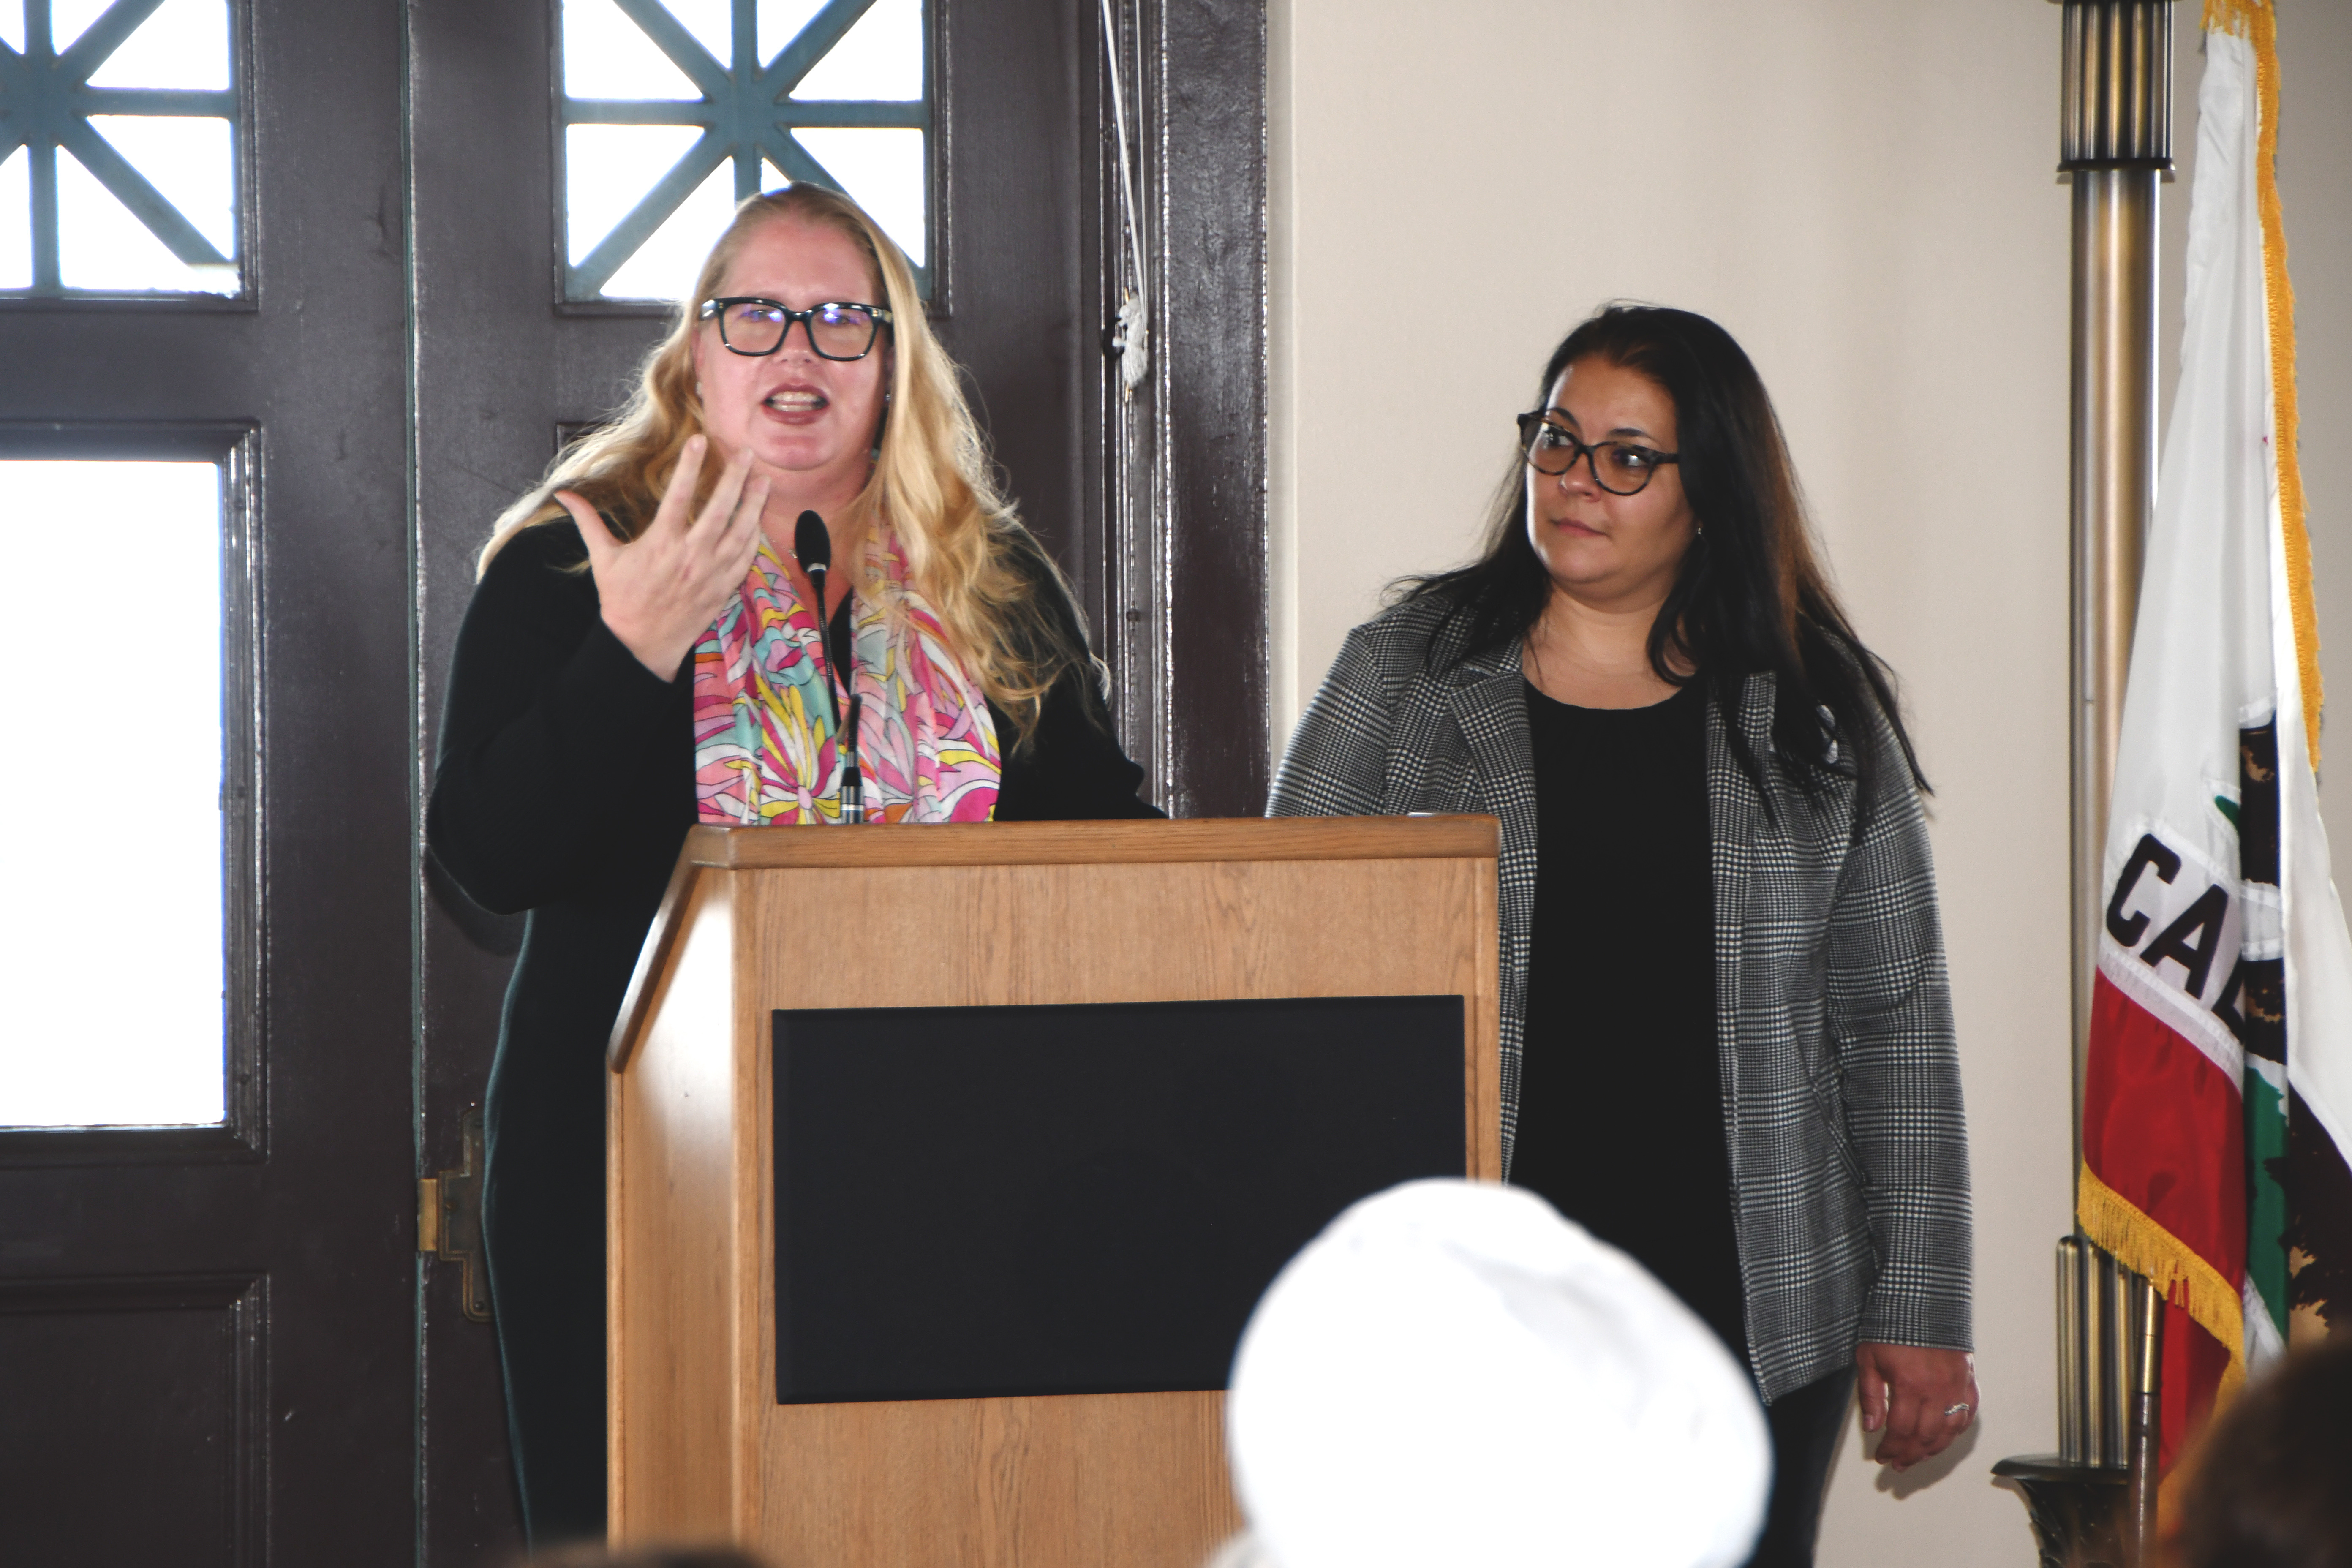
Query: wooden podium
[[759, 925]]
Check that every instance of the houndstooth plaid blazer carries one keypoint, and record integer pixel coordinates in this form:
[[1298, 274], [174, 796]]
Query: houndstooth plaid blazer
[[1841, 1087]]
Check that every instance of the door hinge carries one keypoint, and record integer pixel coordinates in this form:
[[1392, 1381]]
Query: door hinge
[[449, 1219]]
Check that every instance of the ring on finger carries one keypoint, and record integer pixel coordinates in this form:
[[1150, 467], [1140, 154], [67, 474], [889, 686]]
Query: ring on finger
[[1962, 1408]]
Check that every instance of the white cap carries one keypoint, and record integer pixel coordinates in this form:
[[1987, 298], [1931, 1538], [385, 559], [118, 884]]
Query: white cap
[[1454, 1376]]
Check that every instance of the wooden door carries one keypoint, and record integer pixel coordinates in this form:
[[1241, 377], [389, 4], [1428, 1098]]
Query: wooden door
[[217, 1341], [207, 1329]]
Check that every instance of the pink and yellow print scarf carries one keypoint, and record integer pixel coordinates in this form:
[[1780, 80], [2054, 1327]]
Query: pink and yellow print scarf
[[767, 726]]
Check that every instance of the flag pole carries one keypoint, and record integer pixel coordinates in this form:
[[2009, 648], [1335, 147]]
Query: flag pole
[[2115, 142]]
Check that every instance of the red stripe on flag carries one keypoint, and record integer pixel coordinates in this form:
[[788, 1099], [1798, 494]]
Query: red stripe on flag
[[2194, 1362], [2163, 1127], [2164, 1131]]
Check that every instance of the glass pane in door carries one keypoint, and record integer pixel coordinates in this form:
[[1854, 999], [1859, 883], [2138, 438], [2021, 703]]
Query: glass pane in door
[[110, 802], [120, 177], [673, 110]]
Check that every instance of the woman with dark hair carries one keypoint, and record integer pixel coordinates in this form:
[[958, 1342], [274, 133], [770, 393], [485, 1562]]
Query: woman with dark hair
[[1726, 1035]]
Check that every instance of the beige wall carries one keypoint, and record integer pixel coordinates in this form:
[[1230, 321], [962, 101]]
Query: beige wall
[[2314, 153], [1863, 191]]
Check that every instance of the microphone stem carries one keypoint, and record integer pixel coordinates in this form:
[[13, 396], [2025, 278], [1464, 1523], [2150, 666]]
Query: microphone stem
[[841, 654]]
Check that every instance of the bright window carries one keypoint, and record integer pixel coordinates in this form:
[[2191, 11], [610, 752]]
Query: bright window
[[675, 110], [112, 937]]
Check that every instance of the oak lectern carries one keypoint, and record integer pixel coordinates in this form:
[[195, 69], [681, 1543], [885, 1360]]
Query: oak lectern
[[945, 1163]]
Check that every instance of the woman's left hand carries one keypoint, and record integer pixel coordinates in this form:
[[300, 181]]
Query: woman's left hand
[[1918, 1400]]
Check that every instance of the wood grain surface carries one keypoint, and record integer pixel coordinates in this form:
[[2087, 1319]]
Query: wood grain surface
[[1136, 1480], [653, 960], [1094, 843], [672, 1288]]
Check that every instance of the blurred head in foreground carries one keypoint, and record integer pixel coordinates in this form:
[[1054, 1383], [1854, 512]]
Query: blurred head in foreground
[[2273, 1482], [1453, 1373]]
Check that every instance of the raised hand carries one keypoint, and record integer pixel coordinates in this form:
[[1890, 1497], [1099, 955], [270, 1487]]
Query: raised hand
[[661, 591], [1922, 1398]]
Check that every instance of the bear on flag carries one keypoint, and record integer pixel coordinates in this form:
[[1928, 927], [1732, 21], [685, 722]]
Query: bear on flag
[[2218, 1091]]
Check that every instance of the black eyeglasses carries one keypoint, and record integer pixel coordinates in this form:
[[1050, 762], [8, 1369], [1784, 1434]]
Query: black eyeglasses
[[1621, 468], [835, 329]]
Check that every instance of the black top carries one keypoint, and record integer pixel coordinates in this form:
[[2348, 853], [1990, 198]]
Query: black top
[[566, 768], [566, 779], [565, 786], [1620, 1095]]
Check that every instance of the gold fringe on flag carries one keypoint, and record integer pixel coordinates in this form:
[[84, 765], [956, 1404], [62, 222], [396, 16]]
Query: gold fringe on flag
[[2257, 23], [2188, 1282]]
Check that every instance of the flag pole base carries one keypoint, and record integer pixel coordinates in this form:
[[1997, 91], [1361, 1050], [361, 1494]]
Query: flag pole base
[[2081, 1514]]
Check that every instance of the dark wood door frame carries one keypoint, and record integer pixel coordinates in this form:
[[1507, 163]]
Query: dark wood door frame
[[237, 1303], [290, 1233], [1185, 626]]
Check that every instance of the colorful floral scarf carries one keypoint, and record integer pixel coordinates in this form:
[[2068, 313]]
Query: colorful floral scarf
[[766, 724]]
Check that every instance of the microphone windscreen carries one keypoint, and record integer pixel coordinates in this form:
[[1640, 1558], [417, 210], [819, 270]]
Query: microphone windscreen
[[812, 543]]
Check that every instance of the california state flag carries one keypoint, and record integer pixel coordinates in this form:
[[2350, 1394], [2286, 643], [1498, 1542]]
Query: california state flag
[[2219, 1090]]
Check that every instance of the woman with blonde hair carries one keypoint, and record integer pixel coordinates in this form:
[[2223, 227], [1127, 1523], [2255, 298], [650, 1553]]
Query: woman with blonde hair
[[655, 642]]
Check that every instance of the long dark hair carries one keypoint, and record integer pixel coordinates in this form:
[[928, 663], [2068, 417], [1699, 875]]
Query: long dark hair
[[1749, 596]]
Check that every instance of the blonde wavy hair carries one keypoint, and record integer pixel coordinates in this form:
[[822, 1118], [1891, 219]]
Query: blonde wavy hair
[[933, 482]]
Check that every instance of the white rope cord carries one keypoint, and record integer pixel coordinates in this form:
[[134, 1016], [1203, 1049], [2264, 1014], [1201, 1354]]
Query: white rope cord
[[1134, 338]]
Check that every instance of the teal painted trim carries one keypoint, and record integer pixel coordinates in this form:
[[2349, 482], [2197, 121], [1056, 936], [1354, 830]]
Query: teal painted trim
[[812, 44], [747, 116], [45, 102], [898, 114], [44, 157], [798, 163], [684, 49], [173, 102], [130, 188], [744, 33], [587, 281], [100, 38], [639, 111], [907, 114]]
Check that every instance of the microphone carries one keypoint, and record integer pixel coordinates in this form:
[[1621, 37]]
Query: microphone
[[814, 546]]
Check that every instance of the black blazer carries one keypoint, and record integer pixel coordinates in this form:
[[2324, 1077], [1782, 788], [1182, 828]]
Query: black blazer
[[565, 787]]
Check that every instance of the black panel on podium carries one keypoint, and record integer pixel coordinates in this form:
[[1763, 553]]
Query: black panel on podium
[[975, 1202]]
